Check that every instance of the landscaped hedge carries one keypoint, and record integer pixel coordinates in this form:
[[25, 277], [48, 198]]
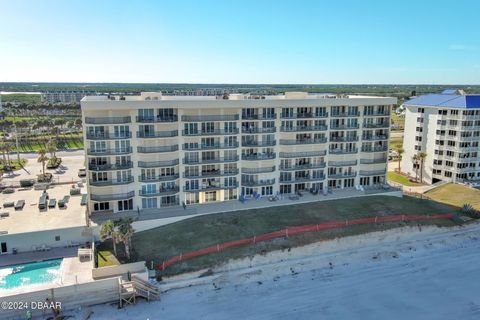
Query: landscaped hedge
[[54, 163], [45, 178]]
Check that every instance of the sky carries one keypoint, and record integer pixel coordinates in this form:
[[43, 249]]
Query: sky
[[232, 41]]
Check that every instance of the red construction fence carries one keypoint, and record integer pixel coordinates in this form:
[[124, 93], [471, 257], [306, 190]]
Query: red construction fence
[[296, 230]]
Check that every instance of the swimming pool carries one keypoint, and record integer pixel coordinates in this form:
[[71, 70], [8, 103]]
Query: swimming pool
[[20, 275]]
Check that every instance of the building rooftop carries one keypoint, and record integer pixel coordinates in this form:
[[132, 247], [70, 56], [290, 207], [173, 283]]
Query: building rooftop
[[448, 99], [156, 96], [31, 219]]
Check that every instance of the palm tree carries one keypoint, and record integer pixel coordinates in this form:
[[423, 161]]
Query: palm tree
[[108, 231], [400, 151], [6, 148], [422, 156], [3, 150], [415, 159], [42, 158], [125, 231], [52, 148]]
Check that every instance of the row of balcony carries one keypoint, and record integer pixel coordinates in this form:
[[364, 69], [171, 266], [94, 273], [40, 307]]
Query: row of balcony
[[251, 183], [249, 157], [252, 130], [227, 117]]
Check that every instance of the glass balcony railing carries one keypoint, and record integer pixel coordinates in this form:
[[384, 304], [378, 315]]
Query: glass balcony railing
[[108, 136], [108, 120], [158, 149], [112, 197]]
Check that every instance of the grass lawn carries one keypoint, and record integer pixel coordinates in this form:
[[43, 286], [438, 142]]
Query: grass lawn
[[161, 243], [14, 162], [398, 178], [396, 143], [456, 195], [35, 145], [106, 258]]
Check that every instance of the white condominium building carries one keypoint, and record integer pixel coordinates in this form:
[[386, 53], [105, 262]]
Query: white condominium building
[[446, 127], [151, 151], [64, 96]]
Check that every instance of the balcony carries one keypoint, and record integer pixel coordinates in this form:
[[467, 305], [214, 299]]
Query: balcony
[[157, 164], [213, 160], [303, 128], [212, 173], [342, 163], [107, 183], [197, 146], [215, 132], [303, 154], [344, 126], [342, 175], [375, 149], [108, 120], [367, 173], [211, 187], [385, 113], [258, 183], [258, 170], [108, 136], [157, 134], [259, 130], [303, 179], [258, 156], [109, 152], [375, 138], [158, 178], [343, 139], [173, 118], [202, 118], [160, 192], [112, 197], [343, 151], [110, 166], [159, 149], [345, 114], [373, 161], [259, 143], [288, 142], [262, 116], [303, 166], [304, 115], [376, 125]]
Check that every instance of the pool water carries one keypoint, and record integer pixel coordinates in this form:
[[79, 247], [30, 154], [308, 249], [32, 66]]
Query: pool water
[[20, 275]]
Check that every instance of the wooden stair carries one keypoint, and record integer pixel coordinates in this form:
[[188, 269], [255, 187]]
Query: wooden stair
[[130, 290]]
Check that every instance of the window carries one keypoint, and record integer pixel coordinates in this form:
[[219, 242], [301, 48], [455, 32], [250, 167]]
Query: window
[[148, 203], [57, 238], [101, 206], [124, 205]]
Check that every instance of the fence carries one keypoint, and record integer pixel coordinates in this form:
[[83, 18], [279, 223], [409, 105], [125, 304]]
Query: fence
[[294, 231]]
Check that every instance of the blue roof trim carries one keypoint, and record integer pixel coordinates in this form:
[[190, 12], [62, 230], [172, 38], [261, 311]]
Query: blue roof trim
[[446, 100]]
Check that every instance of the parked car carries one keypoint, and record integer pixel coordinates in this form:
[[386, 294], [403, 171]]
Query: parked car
[[82, 173]]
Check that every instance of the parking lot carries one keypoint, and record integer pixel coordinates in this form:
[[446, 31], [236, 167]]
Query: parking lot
[[66, 173]]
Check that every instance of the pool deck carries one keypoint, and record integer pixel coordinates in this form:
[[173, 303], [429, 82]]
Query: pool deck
[[72, 271], [28, 257]]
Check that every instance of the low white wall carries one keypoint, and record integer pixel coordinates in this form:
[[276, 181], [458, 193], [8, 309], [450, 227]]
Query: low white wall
[[70, 297], [23, 242], [115, 271]]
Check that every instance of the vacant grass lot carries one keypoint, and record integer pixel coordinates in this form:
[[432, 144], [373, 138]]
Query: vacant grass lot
[[161, 243], [399, 121], [399, 178], [396, 143], [456, 195]]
